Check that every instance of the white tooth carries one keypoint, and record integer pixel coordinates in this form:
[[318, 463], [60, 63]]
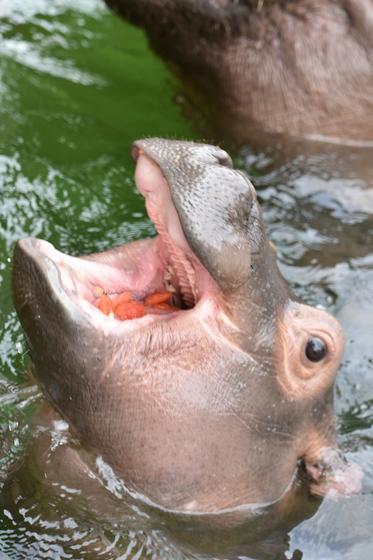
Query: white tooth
[[171, 289]]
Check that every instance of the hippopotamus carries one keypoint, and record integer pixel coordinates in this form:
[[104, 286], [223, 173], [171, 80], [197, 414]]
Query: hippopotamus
[[296, 67], [216, 403]]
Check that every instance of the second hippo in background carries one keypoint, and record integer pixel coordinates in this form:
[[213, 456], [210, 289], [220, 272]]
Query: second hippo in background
[[294, 67], [208, 407]]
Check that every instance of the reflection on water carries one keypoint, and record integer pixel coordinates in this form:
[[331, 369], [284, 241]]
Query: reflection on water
[[77, 87]]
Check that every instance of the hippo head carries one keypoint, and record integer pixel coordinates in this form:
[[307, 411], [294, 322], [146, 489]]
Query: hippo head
[[207, 404], [258, 68]]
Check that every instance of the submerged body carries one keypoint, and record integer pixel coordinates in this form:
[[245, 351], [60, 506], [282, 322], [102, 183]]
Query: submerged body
[[298, 67], [209, 407]]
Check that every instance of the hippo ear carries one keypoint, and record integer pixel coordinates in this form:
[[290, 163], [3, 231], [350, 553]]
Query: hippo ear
[[309, 346]]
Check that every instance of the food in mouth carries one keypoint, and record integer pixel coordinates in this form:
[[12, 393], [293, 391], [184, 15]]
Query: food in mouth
[[127, 306]]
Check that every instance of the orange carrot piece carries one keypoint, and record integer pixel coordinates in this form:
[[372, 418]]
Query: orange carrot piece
[[130, 310], [157, 297], [124, 297], [105, 304]]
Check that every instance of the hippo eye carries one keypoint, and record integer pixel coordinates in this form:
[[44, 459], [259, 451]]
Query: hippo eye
[[316, 349]]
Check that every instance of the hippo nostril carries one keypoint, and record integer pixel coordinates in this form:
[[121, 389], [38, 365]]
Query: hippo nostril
[[136, 152], [223, 158]]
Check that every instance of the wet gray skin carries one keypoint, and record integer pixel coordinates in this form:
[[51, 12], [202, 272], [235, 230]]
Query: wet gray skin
[[299, 67], [207, 408]]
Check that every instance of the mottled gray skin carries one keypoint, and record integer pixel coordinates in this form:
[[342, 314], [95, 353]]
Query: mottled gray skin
[[299, 67], [213, 408]]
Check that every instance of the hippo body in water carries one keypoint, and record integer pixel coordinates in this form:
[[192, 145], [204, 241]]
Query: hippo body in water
[[298, 67], [212, 406]]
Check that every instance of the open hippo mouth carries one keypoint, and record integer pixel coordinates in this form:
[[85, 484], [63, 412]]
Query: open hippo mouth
[[164, 269]]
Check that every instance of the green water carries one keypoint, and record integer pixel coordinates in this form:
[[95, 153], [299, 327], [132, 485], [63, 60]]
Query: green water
[[77, 86], [76, 89]]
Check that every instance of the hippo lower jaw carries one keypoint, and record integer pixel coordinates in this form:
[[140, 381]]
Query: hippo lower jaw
[[165, 262]]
